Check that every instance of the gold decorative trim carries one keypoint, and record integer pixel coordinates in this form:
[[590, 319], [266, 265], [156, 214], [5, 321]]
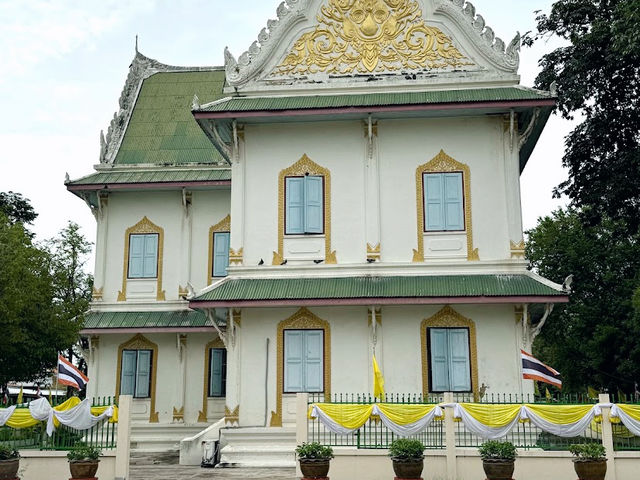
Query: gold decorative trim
[[374, 128], [517, 249], [444, 163], [140, 342], [235, 257], [223, 225], [182, 292], [231, 416], [303, 319], [448, 317], [518, 311], [237, 317], [373, 253], [366, 36], [215, 343], [178, 414], [378, 316], [305, 166], [96, 294], [143, 226]]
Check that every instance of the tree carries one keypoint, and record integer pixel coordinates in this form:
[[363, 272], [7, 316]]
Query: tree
[[592, 340], [598, 78], [17, 208]]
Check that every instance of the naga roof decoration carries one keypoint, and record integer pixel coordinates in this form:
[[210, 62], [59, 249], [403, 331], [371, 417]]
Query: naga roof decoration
[[367, 36]]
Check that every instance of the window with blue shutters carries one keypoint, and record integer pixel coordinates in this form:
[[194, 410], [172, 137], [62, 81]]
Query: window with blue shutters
[[303, 361], [217, 372], [443, 202], [304, 205], [449, 361], [135, 375], [220, 254], [143, 255]]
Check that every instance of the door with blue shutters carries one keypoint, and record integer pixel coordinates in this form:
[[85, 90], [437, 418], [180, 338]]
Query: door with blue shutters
[[303, 361], [449, 360]]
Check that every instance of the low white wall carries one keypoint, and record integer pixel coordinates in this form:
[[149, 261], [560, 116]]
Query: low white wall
[[41, 465]]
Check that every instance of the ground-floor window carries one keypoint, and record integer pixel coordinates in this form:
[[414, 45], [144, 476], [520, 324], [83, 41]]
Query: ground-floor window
[[303, 361], [135, 377], [449, 362], [217, 372]]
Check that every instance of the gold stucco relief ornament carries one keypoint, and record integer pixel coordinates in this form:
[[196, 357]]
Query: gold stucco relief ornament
[[368, 36]]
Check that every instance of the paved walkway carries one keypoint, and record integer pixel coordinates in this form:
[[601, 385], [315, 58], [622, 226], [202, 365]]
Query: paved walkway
[[180, 472]]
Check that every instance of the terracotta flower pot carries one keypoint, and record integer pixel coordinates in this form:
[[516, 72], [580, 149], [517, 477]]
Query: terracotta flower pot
[[408, 468], [314, 468], [9, 468], [498, 469], [84, 469], [590, 469]]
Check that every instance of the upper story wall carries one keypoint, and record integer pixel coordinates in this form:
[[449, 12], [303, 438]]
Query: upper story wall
[[374, 197]]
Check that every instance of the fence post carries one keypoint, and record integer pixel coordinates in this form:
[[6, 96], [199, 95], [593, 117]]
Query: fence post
[[450, 438], [607, 437], [302, 430], [123, 446]]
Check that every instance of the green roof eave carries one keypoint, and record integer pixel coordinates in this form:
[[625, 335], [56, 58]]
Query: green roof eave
[[116, 322], [379, 290]]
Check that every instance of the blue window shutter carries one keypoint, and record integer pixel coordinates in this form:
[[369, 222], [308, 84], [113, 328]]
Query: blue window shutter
[[439, 356], [136, 256], [150, 267], [313, 200], [433, 202], [459, 364], [220, 254], [294, 205], [293, 361], [143, 374], [313, 360], [454, 207], [217, 372], [128, 372]]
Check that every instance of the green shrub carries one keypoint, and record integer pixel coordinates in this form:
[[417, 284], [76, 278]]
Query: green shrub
[[314, 451], [7, 453], [588, 451], [406, 449], [84, 453], [494, 450]]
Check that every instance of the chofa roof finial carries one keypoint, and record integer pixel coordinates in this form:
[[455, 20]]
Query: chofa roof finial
[[136, 44]]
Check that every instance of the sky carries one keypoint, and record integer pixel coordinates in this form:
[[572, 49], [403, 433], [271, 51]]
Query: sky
[[63, 65]]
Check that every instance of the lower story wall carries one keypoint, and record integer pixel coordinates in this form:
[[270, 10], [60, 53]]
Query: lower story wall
[[41, 465]]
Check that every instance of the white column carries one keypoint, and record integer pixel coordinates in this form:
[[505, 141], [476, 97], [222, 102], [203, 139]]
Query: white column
[[607, 437], [123, 438], [94, 367], [102, 225], [372, 188], [450, 438], [232, 399], [238, 198], [186, 240], [512, 179]]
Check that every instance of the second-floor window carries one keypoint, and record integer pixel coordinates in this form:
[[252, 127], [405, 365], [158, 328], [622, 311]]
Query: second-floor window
[[304, 204], [143, 255], [220, 254], [443, 202], [135, 376]]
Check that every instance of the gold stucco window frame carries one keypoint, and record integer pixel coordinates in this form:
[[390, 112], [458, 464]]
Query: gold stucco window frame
[[143, 226], [223, 225], [443, 163], [302, 167], [216, 343], [303, 319], [449, 318], [140, 342]]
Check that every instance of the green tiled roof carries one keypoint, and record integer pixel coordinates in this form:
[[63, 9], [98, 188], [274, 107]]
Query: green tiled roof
[[241, 104], [180, 319], [155, 176], [162, 129], [244, 289]]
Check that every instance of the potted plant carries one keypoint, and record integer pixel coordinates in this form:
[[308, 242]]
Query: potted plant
[[407, 456], [83, 461], [314, 459], [590, 462], [9, 463], [498, 459]]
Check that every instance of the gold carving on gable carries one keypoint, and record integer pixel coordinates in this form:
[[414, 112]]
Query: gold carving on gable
[[368, 36]]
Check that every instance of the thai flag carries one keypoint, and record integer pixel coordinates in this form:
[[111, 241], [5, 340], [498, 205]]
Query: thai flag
[[69, 374], [534, 369]]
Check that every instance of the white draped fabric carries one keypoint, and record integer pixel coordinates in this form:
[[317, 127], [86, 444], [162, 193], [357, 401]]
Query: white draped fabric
[[78, 417], [632, 424], [565, 430], [481, 430], [410, 428], [5, 414], [328, 422]]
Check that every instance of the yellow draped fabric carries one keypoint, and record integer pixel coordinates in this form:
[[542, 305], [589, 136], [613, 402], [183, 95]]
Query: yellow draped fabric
[[348, 415], [632, 410], [22, 418], [404, 414], [492, 415], [560, 414]]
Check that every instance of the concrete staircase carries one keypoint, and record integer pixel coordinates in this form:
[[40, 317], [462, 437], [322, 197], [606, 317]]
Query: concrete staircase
[[258, 447], [154, 437]]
